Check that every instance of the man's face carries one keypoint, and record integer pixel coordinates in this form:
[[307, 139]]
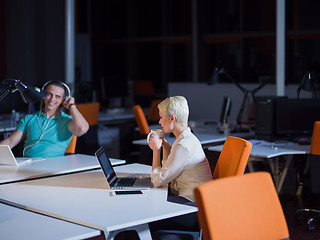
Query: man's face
[[54, 97]]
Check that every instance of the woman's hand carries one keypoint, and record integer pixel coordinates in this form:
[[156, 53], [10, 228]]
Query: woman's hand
[[155, 143], [166, 148]]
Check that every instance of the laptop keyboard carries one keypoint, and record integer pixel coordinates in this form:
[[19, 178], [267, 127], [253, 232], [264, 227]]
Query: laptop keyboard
[[126, 182]]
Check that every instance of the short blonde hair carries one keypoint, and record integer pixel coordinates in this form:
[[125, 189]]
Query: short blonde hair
[[177, 106]]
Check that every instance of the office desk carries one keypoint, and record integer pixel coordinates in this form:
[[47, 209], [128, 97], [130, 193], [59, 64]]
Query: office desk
[[114, 115], [271, 151], [83, 198], [50, 166], [6, 128], [207, 134], [16, 223], [122, 122], [203, 138]]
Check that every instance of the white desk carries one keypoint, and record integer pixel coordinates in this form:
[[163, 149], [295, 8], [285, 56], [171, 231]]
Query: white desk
[[83, 198], [16, 223], [115, 115], [205, 137], [6, 128], [50, 166], [272, 151]]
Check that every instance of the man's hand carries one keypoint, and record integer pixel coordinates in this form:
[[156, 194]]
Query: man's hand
[[68, 102]]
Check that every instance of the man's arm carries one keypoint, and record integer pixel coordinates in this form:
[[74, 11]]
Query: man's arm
[[78, 125], [13, 139]]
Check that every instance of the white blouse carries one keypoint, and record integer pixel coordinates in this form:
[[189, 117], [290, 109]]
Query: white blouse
[[186, 167]]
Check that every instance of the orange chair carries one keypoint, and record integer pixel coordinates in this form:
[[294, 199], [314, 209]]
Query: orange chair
[[315, 141], [90, 111], [143, 88], [313, 166], [71, 149], [233, 157], [153, 114], [232, 162], [244, 207], [141, 120], [89, 143]]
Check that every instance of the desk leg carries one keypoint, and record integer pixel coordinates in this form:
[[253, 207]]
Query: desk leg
[[284, 172], [272, 169], [142, 230], [250, 166]]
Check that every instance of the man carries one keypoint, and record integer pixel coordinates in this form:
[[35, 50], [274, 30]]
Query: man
[[47, 133]]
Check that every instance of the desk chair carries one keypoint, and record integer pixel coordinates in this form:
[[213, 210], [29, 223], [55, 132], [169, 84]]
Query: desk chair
[[144, 151], [88, 143], [71, 149], [231, 162], [153, 114], [241, 207], [313, 165], [90, 111], [233, 157], [143, 92], [141, 120]]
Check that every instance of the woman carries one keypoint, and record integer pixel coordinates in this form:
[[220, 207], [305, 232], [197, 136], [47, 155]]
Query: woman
[[184, 165]]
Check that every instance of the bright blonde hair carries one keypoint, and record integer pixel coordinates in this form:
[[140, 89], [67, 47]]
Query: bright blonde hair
[[177, 106]]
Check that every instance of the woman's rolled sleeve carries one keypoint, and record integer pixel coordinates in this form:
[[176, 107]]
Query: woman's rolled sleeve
[[171, 168]]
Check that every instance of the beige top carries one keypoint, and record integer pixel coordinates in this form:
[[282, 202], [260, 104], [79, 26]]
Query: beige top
[[186, 167]]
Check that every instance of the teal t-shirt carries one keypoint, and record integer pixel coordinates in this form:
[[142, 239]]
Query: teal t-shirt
[[55, 134]]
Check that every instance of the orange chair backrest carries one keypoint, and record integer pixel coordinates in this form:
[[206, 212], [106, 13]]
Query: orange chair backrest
[[244, 207], [315, 141], [233, 157], [143, 87], [153, 114], [72, 145], [90, 111], [141, 120]]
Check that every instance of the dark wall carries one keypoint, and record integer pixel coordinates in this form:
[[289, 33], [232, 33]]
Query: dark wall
[[34, 33]]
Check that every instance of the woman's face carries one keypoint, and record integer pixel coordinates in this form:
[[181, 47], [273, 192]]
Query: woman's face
[[165, 122]]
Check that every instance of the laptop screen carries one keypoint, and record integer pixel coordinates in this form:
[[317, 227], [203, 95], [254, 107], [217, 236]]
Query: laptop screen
[[106, 165]]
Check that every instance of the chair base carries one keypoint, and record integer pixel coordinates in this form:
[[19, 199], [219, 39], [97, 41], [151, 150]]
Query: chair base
[[176, 235], [310, 225]]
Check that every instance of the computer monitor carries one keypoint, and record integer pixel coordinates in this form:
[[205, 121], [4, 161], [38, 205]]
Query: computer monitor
[[111, 88], [225, 110], [296, 117]]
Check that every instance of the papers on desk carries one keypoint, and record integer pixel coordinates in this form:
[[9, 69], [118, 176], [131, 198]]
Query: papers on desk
[[265, 149], [25, 160], [275, 144]]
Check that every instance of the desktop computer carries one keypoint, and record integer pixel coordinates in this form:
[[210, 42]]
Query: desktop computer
[[265, 110], [282, 118]]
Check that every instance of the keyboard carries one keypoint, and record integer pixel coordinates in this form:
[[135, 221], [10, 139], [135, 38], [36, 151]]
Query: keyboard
[[302, 140], [125, 182]]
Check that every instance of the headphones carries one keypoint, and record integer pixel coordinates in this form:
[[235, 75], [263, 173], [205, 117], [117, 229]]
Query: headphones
[[67, 94], [61, 84]]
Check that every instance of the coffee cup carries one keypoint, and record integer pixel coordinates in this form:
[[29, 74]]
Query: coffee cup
[[155, 132]]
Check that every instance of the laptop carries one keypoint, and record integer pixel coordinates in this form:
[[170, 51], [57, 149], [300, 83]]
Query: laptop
[[7, 157], [120, 182]]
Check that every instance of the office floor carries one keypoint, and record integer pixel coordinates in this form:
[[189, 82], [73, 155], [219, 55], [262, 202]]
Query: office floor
[[298, 231]]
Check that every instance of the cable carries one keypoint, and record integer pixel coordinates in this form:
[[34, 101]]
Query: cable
[[42, 130]]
